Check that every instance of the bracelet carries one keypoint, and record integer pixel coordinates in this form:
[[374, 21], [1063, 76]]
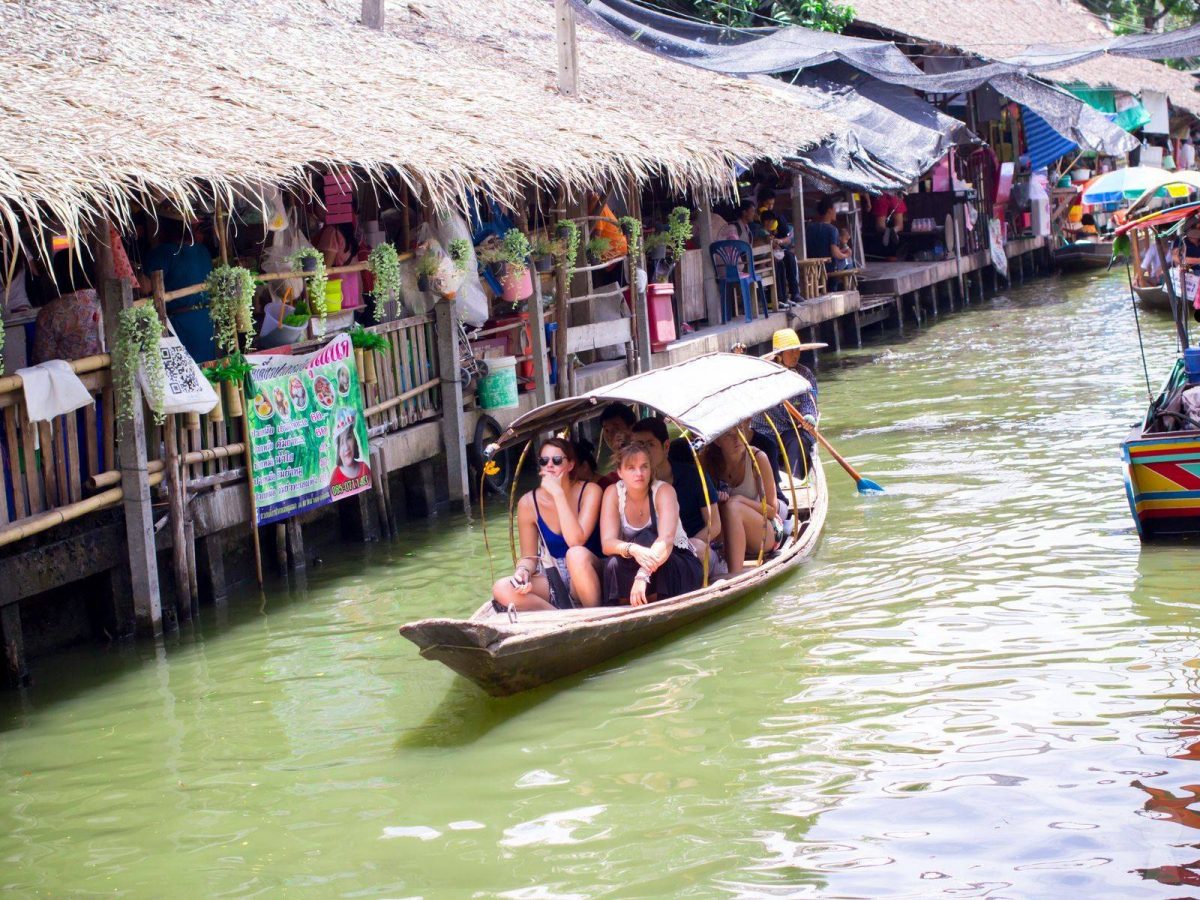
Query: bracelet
[[642, 575], [625, 552]]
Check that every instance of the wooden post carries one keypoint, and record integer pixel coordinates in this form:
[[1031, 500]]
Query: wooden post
[[12, 646], [372, 14], [712, 298], [135, 482], [562, 315], [568, 59], [801, 246], [175, 509], [454, 438], [537, 333], [641, 312]]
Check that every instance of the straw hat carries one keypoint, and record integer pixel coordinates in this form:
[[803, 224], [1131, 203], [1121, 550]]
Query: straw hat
[[787, 339]]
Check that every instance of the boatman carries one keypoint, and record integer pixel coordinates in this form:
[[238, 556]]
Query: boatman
[[786, 348]]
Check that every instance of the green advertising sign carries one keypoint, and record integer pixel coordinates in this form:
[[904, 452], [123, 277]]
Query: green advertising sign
[[308, 434]]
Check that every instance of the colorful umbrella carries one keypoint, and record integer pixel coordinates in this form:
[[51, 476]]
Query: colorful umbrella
[[1135, 182]]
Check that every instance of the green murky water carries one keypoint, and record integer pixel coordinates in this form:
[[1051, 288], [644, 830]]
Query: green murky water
[[982, 686]]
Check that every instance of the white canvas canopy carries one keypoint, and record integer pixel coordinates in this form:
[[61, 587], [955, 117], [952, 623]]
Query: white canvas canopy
[[707, 396]]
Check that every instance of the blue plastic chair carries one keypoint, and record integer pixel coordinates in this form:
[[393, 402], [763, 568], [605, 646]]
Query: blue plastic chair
[[733, 263]]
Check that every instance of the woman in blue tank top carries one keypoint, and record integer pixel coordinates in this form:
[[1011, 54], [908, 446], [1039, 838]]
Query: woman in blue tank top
[[559, 565]]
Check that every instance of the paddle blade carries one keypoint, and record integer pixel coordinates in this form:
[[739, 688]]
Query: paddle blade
[[867, 486]]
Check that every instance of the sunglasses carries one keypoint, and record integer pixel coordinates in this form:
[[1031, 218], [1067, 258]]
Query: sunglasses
[[544, 461]]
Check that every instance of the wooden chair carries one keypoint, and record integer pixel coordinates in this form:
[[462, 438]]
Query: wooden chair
[[845, 280], [813, 283], [764, 265]]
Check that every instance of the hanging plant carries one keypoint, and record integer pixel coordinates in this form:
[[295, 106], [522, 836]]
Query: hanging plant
[[679, 231], [231, 372], [512, 251], [427, 266], [633, 232], [139, 333], [311, 264], [231, 305], [384, 263], [569, 232], [460, 251]]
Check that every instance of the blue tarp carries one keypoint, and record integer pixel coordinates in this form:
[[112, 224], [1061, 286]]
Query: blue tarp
[[1045, 145]]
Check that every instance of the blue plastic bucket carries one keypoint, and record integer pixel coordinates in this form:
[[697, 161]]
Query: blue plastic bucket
[[1191, 364]]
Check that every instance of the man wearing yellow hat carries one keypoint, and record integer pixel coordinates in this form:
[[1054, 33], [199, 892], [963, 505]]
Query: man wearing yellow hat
[[786, 348]]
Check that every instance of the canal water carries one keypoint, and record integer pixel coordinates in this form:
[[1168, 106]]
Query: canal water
[[981, 686]]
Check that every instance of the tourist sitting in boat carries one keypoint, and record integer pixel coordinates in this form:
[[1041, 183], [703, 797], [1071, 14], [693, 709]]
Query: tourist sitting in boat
[[673, 463], [616, 422], [585, 461], [744, 485], [650, 556], [560, 546], [1188, 252]]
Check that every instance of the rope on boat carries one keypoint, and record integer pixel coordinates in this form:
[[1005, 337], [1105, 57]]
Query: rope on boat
[[512, 500], [1138, 320], [787, 463]]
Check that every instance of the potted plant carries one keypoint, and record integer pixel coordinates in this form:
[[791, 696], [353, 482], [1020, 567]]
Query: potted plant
[[230, 292], [632, 229], [231, 373], [460, 252], [384, 264], [139, 334], [596, 248], [311, 264], [512, 253], [366, 345], [656, 246], [217, 413], [427, 266], [568, 233], [544, 252]]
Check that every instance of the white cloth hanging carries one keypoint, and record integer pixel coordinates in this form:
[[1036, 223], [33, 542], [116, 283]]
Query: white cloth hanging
[[53, 389]]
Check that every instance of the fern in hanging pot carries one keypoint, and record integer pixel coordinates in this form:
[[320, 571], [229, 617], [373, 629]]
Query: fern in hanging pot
[[231, 373], [366, 344], [139, 333], [569, 233], [231, 305], [311, 264], [460, 251], [384, 263]]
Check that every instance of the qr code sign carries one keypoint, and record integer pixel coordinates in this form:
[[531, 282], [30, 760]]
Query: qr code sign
[[181, 371]]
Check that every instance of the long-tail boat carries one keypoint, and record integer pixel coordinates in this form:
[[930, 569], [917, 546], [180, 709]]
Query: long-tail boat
[[507, 652]]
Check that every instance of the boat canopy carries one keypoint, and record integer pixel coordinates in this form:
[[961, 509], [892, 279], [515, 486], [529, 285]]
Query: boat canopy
[[1162, 217], [706, 396], [1173, 184]]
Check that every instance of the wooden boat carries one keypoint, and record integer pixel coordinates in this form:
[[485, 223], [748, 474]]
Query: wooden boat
[[1085, 254], [1162, 464], [1153, 297], [1162, 452], [507, 653]]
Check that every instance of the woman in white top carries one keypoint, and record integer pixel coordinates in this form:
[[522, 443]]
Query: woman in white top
[[649, 555]]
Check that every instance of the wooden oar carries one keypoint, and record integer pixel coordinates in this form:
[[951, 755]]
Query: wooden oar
[[865, 485]]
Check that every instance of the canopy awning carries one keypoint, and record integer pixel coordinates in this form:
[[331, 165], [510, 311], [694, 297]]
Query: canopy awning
[[1162, 217], [706, 396]]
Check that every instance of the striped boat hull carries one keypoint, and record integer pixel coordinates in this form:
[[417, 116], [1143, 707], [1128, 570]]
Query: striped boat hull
[[1162, 481]]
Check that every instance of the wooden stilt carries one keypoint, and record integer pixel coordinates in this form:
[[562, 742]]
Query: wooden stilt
[[16, 668], [175, 512]]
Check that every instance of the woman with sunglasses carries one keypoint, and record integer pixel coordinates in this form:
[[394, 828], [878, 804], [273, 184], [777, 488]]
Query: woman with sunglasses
[[560, 542]]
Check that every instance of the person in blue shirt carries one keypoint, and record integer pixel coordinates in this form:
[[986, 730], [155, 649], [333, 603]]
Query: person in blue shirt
[[821, 239], [184, 260]]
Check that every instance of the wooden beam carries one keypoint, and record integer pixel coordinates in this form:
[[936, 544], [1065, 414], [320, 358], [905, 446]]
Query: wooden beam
[[135, 482], [373, 14], [568, 57], [454, 439]]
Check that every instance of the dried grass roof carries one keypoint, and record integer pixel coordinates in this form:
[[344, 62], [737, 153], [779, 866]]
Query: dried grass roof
[[999, 28], [108, 103]]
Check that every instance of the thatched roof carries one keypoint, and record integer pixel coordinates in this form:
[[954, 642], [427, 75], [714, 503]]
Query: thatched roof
[[1000, 28], [109, 102]]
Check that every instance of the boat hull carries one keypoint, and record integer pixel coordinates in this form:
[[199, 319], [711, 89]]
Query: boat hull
[[1162, 482], [504, 657], [1084, 255], [1153, 297]]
